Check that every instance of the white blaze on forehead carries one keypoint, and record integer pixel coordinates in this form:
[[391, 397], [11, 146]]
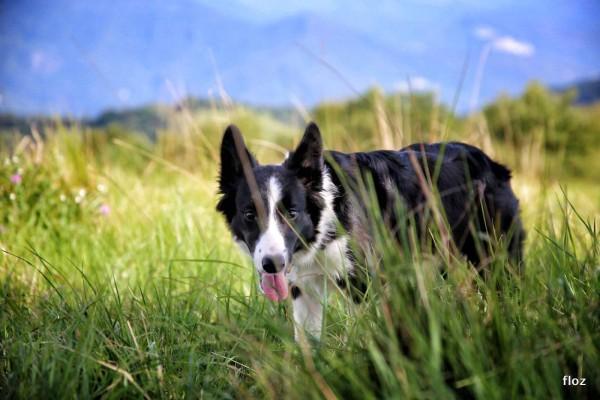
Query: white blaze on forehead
[[271, 241]]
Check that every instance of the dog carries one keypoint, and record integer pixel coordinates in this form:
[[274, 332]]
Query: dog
[[296, 220]]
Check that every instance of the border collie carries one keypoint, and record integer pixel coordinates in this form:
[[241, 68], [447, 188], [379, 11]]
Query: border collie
[[297, 220]]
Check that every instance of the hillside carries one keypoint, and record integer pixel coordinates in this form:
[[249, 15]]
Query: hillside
[[146, 120], [586, 91]]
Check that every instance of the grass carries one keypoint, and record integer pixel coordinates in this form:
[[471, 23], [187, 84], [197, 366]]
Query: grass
[[134, 288]]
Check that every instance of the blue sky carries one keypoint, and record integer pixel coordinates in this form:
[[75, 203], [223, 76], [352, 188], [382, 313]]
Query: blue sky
[[414, 24], [73, 57]]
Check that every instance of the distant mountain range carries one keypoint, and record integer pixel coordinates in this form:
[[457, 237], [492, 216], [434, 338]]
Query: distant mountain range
[[78, 58], [150, 118], [588, 91], [147, 119]]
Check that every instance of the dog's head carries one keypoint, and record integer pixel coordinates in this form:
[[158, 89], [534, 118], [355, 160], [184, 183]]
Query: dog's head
[[272, 210]]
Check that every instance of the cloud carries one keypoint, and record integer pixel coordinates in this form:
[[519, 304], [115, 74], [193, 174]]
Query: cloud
[[484, 32], [509, 44], [416, 84], [123, 94], [504, 43], [44, 62], [273, 9]]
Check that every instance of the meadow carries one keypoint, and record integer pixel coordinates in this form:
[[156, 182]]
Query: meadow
[[118, 279]]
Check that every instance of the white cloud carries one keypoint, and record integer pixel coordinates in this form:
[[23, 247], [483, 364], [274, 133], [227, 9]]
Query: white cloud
[[505, 43], [509, 44], [123, 94], [416, 84], [44, 62], [484, 32]]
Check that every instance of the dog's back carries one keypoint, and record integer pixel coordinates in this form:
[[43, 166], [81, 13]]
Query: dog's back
[[475, 193]]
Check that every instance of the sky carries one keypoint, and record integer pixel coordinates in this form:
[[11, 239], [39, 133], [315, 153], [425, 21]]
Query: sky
[[386, 18], [79, 58]]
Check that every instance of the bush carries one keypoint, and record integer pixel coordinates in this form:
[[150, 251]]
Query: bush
[[550, 116]]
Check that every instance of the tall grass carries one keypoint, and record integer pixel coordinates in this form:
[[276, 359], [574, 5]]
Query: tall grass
[[118, 279]]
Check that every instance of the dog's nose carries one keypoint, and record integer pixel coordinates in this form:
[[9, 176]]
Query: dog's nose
[[273, 264]]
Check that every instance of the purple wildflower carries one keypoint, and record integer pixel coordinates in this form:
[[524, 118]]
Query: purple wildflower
[[16, 179], [104, 209]]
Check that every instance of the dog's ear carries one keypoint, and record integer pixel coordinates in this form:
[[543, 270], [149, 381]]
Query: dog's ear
[[234, 158], [307, 159]]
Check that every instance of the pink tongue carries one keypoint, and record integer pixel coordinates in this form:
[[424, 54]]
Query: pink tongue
[[274, 286]]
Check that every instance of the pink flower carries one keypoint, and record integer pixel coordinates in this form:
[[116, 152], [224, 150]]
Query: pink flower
[[16, 179], [104, 209]]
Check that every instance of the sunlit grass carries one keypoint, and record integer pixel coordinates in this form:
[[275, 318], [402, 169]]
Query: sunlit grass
[[152, 299]]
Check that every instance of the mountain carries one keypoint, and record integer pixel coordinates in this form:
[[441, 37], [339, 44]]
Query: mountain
[[587, 91], [146, 119], [78, 58], [82, 57]]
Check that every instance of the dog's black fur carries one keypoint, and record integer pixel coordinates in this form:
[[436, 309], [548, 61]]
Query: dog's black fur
[[474, 191]]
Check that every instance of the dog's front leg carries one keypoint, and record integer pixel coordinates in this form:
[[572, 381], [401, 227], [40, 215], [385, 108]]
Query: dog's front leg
[[308, 298]]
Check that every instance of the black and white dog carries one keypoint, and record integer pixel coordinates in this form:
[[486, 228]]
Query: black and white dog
[[296, 219]]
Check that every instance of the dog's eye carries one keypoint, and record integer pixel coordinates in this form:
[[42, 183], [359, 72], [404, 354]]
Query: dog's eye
[[292, 214], [249, 216]]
